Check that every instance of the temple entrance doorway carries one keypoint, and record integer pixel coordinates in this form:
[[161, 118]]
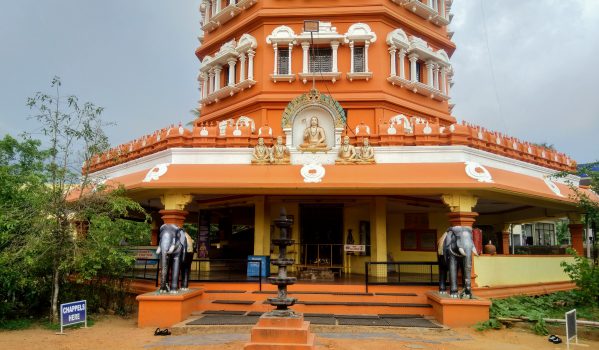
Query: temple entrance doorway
[[321, 237], [230, 232]]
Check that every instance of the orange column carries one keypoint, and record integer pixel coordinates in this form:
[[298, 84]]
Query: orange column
[[576, 234], [462, 218], [505, 242], [176, 217]]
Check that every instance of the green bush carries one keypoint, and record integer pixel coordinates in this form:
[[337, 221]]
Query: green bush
[[586, 276]]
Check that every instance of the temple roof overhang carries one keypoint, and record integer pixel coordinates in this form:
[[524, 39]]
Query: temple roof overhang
[[375, 179]]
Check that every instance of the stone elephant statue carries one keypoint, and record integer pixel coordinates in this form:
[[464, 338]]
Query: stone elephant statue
[[454, 252], [171, 249]]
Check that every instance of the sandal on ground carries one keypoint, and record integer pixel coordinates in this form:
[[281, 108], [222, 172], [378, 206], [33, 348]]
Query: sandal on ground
[[165, 331], [555, 339]]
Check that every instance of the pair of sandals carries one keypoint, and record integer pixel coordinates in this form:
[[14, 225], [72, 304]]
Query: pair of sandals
[[159, 331], [555, 339]]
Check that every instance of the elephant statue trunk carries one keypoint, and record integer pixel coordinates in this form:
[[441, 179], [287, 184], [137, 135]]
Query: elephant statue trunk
[[455, 253]]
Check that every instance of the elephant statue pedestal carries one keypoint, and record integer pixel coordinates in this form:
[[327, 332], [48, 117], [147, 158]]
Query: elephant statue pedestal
[[165, 310], [453, 312]]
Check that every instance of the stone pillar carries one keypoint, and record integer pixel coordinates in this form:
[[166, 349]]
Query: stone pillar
[[351, 60], [276, 50], [505, 241], [429, 73], [251, 54], [436, 77], [334, 46], [211, 81], [444, 80], [290, 55], [204, 79], [366, 46], [305, 48], [217, 71], [378, 235], [232, 62], [392, 52], [402, 58], [413, 59], [242, 68], [442, 9], [207, 12]]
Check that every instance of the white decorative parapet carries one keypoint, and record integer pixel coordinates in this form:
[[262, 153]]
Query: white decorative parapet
[[215, 14], [435, 11]]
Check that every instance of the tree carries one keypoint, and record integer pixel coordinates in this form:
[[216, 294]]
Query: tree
[[74, 134]]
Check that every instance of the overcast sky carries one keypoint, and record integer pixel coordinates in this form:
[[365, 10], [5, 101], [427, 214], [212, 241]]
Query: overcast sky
[[524, 67]]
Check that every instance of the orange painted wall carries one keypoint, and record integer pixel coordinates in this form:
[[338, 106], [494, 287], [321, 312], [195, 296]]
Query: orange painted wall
[[363, 99]]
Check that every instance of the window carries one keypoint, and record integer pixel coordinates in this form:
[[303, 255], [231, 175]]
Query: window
[[359, 59], [545, 233], [321, 60], [419, 239], [226, 75], [283, 61], [419, 71]]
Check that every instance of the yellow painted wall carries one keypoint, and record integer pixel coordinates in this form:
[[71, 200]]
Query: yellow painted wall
[[352, 215], [498, 270]]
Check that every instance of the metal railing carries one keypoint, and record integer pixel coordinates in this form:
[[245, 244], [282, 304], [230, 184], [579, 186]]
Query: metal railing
[[401, 273], [205, 270], [539, 250]]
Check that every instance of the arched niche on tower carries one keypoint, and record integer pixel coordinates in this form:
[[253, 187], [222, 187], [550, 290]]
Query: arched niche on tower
[[299, 112]]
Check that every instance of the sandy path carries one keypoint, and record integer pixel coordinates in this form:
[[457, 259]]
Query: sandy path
[[112, 333]]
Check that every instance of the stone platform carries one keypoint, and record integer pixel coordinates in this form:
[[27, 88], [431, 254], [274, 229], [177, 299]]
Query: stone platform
[[281, 333], [454, 312], [166, 310]]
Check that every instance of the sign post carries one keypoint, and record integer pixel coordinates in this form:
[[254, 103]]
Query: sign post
[[73, 313], [571, 331]]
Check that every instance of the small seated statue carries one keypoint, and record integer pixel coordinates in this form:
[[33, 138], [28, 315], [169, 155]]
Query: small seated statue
[[279, 152], [261, 154], [347, 153], [366, 152], [314, 137]]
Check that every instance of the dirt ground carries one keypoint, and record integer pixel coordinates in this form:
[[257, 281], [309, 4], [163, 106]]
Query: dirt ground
[[112, 333]]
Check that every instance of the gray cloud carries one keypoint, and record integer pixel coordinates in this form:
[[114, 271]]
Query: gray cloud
[[543, 56]]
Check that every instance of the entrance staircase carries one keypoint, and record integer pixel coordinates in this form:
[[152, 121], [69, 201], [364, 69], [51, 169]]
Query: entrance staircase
[[318, 299]]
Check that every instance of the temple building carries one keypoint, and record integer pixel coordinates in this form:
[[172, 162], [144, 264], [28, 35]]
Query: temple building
[[341, 113]]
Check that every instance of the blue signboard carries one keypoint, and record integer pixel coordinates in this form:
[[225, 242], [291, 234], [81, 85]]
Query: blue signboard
[[73, 313]]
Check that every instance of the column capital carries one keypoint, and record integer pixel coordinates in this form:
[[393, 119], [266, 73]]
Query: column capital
[[413, 57], [251, 53], [175, 201], [429, 64], [232, 61], [575, 218], [392, 49], [218, 69], [460, 202], [305, 45], [334, 44]]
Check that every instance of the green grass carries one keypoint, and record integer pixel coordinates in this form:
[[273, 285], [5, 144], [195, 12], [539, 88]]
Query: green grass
[[13, 325], [536, 308], [25, 323]]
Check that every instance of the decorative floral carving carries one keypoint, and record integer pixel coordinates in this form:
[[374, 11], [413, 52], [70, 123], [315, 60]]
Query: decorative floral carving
[[314, 97]]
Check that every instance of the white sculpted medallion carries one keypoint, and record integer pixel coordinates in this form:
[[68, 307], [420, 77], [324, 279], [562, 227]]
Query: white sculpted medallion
[[312, 173], [478, 172], [156, 172]]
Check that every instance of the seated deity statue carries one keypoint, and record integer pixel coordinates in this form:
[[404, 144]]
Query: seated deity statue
[[314, 137], [366, 152], [347, 153], [261, 154], [280, 153]]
